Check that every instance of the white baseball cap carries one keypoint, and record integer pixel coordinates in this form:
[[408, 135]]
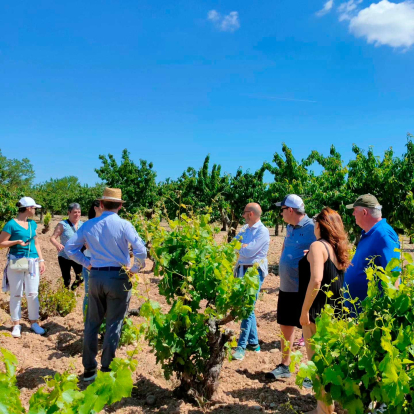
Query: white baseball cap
[[28, 202], [294, 201]]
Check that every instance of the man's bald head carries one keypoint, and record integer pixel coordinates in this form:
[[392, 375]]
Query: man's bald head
[[254, 208]]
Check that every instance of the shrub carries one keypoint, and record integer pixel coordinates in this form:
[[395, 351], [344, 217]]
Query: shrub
[[369, 358], [129, 333], [55, 302], [46, 220], [62, 394], [198, 283]]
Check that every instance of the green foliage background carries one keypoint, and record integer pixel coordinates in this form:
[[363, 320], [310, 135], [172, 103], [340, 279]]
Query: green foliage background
[[390, 178]]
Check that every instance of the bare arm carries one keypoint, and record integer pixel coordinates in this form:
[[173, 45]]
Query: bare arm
[[6, 242], [56, 234], [42, 266], [317, 259]]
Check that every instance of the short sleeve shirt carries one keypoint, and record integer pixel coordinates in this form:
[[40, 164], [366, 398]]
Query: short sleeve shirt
[[298, 238], [379, 243], [17, 232]]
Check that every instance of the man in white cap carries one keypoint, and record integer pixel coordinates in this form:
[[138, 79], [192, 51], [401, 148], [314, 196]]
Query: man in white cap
[[107, 238], [299, 236]]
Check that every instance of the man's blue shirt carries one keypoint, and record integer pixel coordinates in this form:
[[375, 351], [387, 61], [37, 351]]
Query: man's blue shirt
[[107, 238], [257, 239], [298, 238], [379, 241]]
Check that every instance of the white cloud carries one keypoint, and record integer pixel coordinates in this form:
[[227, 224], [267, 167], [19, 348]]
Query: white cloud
[[213, 15], [228, 23], [385, 23], [327, 7], [348, 9]]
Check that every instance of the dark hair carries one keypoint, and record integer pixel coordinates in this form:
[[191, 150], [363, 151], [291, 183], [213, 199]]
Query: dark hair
[[332, 230], [111, 205], [21, 208], [73, 206], [92, 212]]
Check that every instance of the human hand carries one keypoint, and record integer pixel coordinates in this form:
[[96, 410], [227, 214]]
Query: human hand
[[134, 269], [60, 247], [244, 245], [42, 267], [22, 243], [304, 319], [89, 267]]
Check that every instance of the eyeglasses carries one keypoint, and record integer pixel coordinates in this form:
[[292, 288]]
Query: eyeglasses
[[247, 211]]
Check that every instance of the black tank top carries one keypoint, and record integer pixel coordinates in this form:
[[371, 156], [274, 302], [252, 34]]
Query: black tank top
[[330, 272]]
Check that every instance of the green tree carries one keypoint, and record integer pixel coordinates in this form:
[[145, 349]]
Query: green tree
[[290, 177], [402, 214], [204, 189], [330, 188], [243, 188], [15, 174], [56, 194], [16, 177], [137, 182]]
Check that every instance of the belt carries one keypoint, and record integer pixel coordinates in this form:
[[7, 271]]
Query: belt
[[107, 269]]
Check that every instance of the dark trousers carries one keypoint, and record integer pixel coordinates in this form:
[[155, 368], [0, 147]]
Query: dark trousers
[[65, 266], [109, 294]]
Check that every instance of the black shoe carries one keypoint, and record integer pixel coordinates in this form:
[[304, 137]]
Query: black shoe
[[281, 371], [103, 369], [134, 311], [307, 383], [76, 283], [89, 375]]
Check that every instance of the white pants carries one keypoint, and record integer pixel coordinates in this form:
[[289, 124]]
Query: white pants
[[19, 281]]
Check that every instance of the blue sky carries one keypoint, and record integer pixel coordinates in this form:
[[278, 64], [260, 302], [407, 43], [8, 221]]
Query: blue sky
[[173, 81]]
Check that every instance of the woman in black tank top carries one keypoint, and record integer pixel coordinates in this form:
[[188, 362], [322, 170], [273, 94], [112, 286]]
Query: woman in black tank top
[[319, 268], [332, 280]]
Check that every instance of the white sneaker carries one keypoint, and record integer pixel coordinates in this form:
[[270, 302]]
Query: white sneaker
[[37, 329], [16, 332]]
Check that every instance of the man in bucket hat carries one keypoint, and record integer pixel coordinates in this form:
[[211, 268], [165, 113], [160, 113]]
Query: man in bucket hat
[[107, 238], [378, 239]]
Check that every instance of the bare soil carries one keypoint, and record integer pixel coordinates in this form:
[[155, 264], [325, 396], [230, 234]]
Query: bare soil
[[243, 387]]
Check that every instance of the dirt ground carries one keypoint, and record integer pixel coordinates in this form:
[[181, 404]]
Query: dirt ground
[[243, 387]]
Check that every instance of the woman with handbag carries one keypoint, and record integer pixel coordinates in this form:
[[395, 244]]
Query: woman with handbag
[[24, 266], [65, 229]]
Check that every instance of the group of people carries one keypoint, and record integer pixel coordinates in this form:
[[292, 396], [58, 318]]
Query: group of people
[[315, 254], [315, 259], [97, 250]]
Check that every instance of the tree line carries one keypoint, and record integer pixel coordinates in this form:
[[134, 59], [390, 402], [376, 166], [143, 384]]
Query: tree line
[[390, 178]]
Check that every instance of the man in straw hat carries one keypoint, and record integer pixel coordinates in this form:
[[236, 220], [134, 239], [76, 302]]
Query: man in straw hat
[[378, 241], [107, 238]]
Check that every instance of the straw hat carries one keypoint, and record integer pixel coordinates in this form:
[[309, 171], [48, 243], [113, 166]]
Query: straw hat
[[112, 194]]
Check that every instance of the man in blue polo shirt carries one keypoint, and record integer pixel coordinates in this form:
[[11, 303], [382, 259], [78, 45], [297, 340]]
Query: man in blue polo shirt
[[378, 239]]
